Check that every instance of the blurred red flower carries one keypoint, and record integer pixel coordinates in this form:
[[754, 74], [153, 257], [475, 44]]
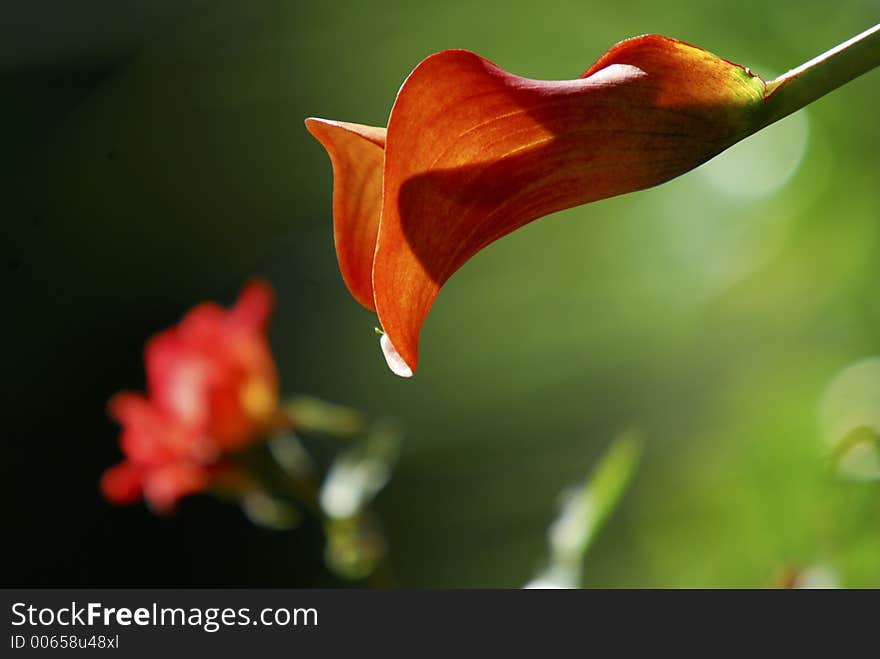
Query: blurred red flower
[[212, 388], [472, 152]]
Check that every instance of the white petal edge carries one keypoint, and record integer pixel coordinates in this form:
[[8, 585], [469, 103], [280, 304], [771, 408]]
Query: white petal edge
[[393, 359]]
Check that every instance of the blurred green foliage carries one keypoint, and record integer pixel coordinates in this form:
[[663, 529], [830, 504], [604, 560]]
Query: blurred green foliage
[[710, 313], [583, 511]]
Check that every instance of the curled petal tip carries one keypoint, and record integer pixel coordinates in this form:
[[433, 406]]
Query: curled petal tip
[[357, 155], [395, 362]]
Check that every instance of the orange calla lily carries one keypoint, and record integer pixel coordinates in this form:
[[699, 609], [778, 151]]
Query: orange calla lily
[[472, 152]]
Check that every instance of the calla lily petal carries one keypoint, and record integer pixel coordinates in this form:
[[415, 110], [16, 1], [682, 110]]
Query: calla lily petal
[[357, 153], [473, 152]]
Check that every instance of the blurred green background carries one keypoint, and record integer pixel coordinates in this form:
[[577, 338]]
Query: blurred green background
[[154, 156]]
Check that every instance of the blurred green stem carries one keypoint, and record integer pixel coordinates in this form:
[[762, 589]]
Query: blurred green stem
[[802, 85]]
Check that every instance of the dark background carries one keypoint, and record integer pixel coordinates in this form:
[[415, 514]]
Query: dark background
[[154, 156]]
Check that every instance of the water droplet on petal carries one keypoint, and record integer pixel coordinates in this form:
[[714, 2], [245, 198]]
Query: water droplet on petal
[[393, 359]]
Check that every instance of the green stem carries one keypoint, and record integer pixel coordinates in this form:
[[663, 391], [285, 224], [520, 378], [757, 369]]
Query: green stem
[[802, 85]]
